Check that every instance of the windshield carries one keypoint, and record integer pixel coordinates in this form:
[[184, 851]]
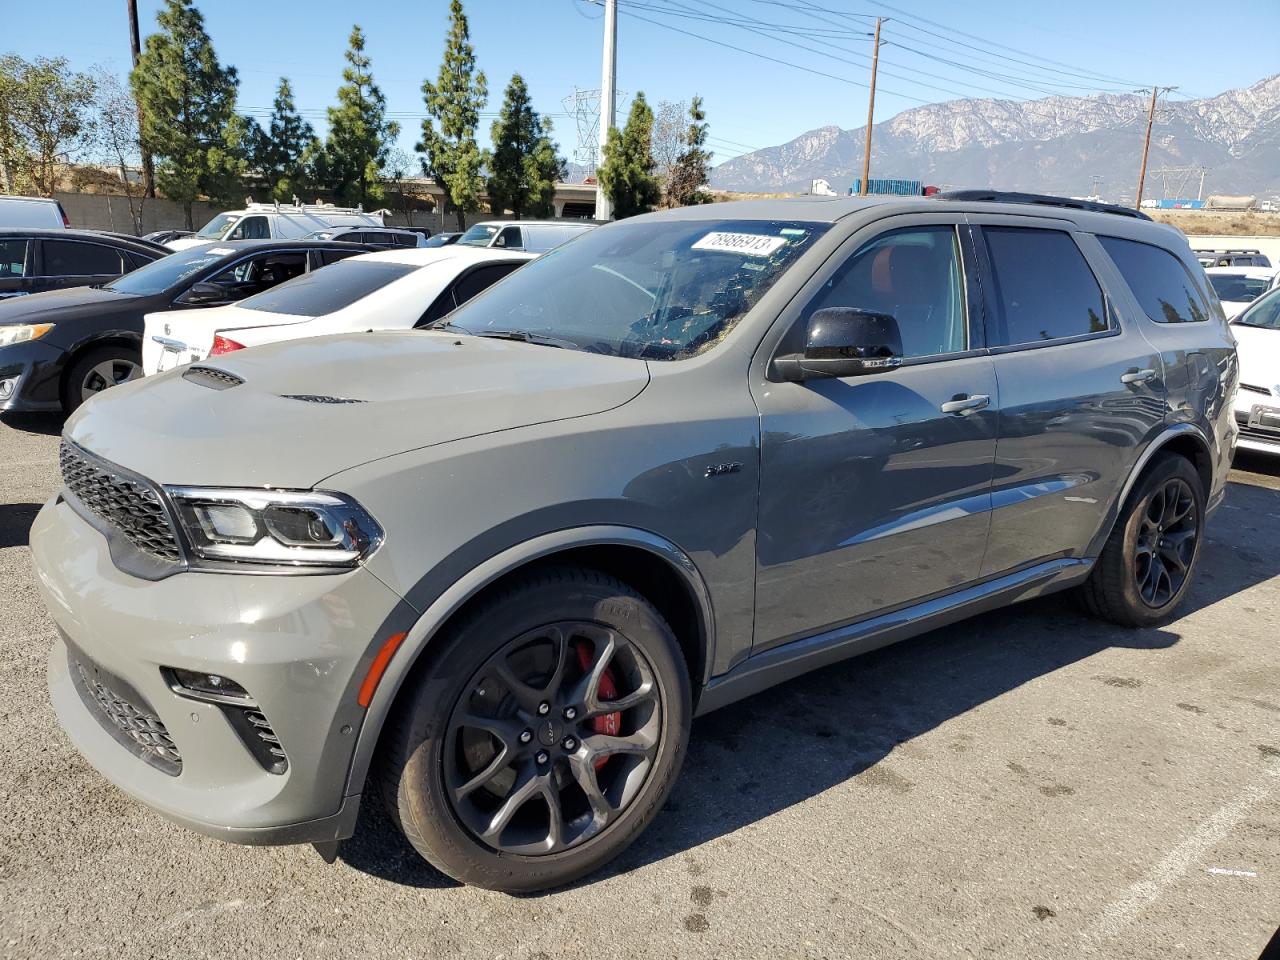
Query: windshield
[[478, 236], [215, 228], [652, 289], [160, 275], [1238, 288], [328, 289], [541, 238], [1264, 313]]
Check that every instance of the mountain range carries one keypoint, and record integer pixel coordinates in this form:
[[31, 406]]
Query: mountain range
[[1053, 145]]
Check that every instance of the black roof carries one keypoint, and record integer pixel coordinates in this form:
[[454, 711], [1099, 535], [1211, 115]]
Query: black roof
[[135, 244], [1012, 196]]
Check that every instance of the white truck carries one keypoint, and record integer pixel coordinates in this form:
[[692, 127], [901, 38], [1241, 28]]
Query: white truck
[[274, 221]]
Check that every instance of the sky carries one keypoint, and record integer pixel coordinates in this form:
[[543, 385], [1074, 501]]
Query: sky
[[767, 70]]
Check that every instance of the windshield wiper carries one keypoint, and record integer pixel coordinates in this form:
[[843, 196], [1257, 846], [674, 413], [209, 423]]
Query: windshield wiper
[[524, 336], [446, 325]]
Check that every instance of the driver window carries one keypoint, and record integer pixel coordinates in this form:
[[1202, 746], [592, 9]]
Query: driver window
[[251, 228], [509, 238], [915, 276]]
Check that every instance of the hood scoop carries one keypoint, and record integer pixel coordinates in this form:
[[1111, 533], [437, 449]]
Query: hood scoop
[[318, 398], [213, 378]]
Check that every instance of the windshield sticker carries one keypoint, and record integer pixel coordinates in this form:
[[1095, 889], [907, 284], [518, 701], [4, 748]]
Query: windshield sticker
[[752, 244]]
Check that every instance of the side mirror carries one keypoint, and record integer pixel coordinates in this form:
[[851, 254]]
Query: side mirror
[[844, 342], [204, 294]]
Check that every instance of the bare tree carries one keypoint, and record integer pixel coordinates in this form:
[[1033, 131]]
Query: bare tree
[[396, 168], [115, 138], [670, 124]]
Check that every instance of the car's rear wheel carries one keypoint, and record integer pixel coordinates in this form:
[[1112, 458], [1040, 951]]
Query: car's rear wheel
[[97, 370], [543, 737], [1148, 562]]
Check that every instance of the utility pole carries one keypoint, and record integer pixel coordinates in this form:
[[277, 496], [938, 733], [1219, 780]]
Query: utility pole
[[1146, 143], [148, 170], [871, 111], [608, 96]]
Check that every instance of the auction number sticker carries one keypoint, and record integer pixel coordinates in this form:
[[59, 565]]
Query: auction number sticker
[[752, 244]]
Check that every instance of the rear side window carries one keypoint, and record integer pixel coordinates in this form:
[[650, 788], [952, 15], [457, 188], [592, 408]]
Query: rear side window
[[68, 258], [1042, 287], [1163, 286], [481, 278], [13, 256]]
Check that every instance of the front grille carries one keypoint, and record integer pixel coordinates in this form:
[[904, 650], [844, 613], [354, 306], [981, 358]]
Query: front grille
[[212, 377], [128, 505], [134, 725]]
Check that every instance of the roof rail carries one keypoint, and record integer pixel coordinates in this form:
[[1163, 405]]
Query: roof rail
[[1244, 250], [1011, 196]]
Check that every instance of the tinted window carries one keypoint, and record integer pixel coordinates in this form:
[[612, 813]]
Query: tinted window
[[509, 238], [263, 271], [1265, 312], [68, 258], [1238, 288], [13, 254], [332, 288], [1163, 286], [1042, 287], [914, 276], [168, 271], [541, 238], [480, 279], [405, 239], [251, 228]]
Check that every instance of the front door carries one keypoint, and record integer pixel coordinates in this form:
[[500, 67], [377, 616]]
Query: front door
[[875, 490]]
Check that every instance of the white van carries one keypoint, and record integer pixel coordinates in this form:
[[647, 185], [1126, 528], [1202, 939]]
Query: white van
[[277, 221], [32, 212]]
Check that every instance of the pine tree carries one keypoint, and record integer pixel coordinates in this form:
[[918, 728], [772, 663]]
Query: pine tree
[[692, 169], [627, 174], [188, 102], [360, 136], [451, 154], [282, 151], [524, 166]]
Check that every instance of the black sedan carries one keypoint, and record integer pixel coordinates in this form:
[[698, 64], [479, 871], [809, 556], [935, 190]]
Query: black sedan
[[58, 349], [33, 261]]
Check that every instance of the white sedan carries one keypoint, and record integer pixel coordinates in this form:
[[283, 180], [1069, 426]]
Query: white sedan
[[1237, 287], [1257, 333], [391, 290]]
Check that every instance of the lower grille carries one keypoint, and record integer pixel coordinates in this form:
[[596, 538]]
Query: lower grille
[[255, 731], [133, 725], [1253, 433], [129, 505]]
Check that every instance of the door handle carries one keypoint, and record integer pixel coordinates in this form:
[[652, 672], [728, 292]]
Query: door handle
[[966, 405], [1137, 376]]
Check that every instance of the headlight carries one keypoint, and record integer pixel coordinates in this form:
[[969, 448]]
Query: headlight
[[274, 527], [18, 332]]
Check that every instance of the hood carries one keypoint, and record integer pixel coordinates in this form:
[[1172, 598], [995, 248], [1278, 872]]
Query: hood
[[414, 389], [66, 304]]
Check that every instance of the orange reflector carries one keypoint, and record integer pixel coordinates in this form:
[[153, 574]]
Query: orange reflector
[[378, 668]]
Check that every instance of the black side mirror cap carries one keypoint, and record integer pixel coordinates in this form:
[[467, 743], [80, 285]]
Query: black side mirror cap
[[844, 342], [204, 293]]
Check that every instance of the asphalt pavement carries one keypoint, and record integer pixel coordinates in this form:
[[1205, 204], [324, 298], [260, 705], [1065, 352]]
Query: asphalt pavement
[[1029, 783]]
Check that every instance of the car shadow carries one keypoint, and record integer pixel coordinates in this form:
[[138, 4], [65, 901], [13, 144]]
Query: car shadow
[[15, 523], [49, 424], [783, 747]]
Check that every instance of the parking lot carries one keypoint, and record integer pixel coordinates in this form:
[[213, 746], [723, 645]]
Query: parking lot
[[1029, 783]]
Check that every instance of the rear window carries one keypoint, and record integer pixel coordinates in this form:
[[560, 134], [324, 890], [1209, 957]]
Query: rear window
[[329, 288], [1163, 286], [1239, 288], [1043, 287]]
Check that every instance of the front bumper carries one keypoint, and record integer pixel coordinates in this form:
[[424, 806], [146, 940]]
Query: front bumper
[[1257, 419], [30, 377], [300, 646]]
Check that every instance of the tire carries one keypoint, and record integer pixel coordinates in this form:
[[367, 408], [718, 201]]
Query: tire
[[1126, 586], [467, 743], [102, 367]]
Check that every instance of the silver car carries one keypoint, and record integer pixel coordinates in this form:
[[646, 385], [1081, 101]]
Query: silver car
[[489, 572]]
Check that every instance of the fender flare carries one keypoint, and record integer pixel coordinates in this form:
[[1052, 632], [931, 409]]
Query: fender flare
[[430, 620]]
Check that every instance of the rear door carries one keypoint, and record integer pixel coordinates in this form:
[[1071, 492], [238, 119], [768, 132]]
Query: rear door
[[1081, 388], [16, 255], [75, 263]]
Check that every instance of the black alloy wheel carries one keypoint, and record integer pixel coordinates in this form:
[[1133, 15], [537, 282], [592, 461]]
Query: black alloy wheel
[[1168, 533]]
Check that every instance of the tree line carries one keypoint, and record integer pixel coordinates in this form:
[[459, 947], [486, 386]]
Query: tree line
[[181, 103]]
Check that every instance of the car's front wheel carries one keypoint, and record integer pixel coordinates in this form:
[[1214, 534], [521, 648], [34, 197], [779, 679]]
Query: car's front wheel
[[1147, 564], [544, 735], [97, 370]]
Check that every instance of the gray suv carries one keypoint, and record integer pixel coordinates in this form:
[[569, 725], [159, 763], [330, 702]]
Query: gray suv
[[489, 572]]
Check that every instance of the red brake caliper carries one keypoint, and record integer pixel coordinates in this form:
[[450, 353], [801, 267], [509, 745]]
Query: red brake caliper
[[609, 723]]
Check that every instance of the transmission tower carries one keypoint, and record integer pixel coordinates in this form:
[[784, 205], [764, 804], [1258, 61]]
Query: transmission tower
[[584, 107], [1175, 182]]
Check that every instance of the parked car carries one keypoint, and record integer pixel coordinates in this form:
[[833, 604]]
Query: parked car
[[164, 236], [36, 260], [1237, 287], [536, 236], [1232, 258], [159, 248], [60, 348], [38, 212], [685, 457], [1257, 406], [392, 290], [424, 231], [276, 221], [383, 237], [442, 240]]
